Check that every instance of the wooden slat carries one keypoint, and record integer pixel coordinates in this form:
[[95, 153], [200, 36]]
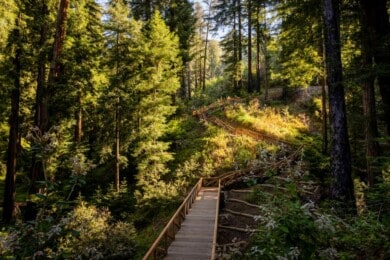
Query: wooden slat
[[195, 238]]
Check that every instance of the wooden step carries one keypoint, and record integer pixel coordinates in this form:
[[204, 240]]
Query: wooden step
[[194, 240]]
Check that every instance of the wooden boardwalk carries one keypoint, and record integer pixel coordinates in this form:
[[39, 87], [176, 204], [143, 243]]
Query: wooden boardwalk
[[194, 240]]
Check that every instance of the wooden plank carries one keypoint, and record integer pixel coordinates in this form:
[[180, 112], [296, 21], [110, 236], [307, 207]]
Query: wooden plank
[[195, 238]]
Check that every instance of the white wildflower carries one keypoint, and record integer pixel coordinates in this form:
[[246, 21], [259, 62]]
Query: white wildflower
[[256, 251], [329, 253], [308, 208], [38, 253], [257, 217], [294, 252], [325, 223], [271, 224]]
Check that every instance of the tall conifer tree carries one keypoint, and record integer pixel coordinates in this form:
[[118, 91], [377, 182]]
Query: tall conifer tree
[[123, 39], [342, 188], [156, 81]]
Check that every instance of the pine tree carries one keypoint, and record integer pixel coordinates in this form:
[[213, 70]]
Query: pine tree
[[82, 65], [229, 14], [123, 39], [155, 83], [180, 20]]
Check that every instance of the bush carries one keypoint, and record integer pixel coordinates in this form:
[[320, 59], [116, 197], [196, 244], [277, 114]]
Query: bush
[[289, 230], [85, 233]]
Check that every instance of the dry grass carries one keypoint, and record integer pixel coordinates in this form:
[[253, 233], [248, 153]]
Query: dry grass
[[278, 121]]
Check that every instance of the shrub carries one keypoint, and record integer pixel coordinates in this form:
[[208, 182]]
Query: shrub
[[85, 233]]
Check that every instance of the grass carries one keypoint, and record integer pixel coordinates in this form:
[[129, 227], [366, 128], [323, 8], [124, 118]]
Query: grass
[[282, 122]]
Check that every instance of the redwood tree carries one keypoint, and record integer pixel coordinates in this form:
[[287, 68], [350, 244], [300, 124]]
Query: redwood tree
[[369, 104], [342, 186], [9, 188], [45, 91]]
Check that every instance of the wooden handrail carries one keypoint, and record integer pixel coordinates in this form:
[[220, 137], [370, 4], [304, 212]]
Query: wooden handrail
[[213, 252], [160, 246], [159, 249]]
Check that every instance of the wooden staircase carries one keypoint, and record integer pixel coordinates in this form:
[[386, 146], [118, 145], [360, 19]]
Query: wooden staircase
[[194, 240], [191, 233]]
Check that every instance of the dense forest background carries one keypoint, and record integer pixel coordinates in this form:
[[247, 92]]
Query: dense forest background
[[99, 139]]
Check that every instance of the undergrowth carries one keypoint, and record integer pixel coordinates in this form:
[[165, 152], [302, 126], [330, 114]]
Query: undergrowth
[[292, 230], [278, 122]]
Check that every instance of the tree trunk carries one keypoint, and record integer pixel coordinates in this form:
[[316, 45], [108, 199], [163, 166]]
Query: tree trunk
[[250, 80], [369, 110], [342, 186], [42, 116], [59, 39], [117, 145], [239, 45], [117, 120], [258, 43], [266, 82], [235, 51], [324, 111], [324, 118], [206, 46], [377, 15], [79, 120], [41, 102], [41, 94], [188, 71], [12, 152]]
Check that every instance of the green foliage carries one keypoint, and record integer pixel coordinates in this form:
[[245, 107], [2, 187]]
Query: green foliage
[[50, 148], [7, 19], [301, 69], [155, 85], [121, 204], [86, 232], [290, 230], [215, 89], [81, 59], [298, 61]]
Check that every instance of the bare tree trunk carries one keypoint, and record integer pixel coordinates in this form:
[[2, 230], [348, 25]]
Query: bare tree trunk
[[117, 121], [324, 111], [258, 43], [266, 82], [188, 80], [41, 100], [209, 3], [342, 187], [250, 80], [12, 151], [59, 39], [41, 93], [235, 47], [79, 120], [369, 110], [239, 15], [324, 118], [117, 145], [379, 18]]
